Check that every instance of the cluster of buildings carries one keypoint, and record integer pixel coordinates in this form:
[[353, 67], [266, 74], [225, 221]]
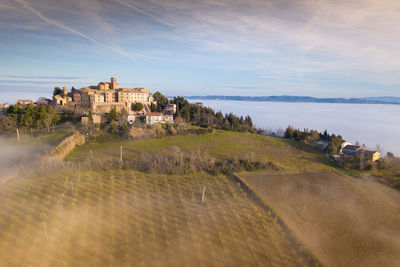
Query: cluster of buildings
[[347, 149], [105, 96]]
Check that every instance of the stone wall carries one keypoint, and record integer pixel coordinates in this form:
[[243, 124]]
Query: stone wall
[[106, 107], [67, 145]]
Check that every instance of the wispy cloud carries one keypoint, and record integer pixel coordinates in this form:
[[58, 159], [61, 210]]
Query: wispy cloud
[[144, 12], [287, 45], [43, 77], [44, 82], [28, 6]]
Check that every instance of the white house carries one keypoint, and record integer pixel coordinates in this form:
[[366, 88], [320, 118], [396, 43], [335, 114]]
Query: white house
[[131, 118], [158, 117]]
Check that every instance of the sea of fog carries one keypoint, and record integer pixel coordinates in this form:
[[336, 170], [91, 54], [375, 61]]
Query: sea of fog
[[366, 123]]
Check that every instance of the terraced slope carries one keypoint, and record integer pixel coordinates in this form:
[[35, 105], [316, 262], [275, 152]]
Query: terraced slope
[[344, 221], [127, 218]]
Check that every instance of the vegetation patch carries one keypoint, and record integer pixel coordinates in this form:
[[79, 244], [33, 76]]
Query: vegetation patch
[[285, 154]]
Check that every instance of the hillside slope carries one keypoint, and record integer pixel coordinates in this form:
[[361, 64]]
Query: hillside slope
[[127, 218], [288, 155], [344, 221]]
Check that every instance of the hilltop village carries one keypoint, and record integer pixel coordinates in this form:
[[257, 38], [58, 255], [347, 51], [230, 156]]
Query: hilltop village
[[105, 96], [113, 108]]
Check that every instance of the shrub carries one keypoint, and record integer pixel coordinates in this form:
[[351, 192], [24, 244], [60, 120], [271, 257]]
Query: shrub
[[138, 106]]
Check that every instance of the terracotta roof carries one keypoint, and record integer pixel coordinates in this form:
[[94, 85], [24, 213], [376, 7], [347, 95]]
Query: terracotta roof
[[154, 114]]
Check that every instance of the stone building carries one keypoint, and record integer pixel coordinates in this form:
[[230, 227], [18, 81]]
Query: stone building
[[77, 97], [110, 96], [62, 100], [24, 102], [106, 95], [136, 95], [99, 98], [108, 85]]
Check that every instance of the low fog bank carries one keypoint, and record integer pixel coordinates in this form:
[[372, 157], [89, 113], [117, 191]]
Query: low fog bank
[[15, 156], [370, 124]]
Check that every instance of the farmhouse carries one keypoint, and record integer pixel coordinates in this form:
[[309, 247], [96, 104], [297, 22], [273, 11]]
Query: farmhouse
[[359, 151], [372, 155], [158, 117], [352, 150]]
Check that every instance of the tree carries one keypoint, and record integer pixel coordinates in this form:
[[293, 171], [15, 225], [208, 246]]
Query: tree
[[248, 122], [138, 106], [113, 114], [8, 123], [289, 132], [334, 145], [58, 91], [153, 107], [314, 135], [114, 127], [47, 121], [90, 116], [325, 135], [186, 115], [161, 100]]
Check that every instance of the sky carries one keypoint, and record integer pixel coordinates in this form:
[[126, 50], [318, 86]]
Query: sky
[[320, 48]]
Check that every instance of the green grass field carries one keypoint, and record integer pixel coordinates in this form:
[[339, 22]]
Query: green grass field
[[288, 155], [127, 218]]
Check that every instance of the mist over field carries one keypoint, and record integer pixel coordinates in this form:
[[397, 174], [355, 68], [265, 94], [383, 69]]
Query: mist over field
[[15, 156], [370, 124]]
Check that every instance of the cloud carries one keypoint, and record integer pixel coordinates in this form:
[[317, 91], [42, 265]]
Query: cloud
[[40, 81], [30, 8], [141, 11], [296, 44], [43, 77], [349, 38]]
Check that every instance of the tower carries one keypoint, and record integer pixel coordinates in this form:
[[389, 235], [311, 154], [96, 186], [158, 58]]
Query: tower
[[113, 83], [65, 90]]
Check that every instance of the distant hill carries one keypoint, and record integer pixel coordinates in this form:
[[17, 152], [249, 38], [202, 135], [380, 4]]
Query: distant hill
[[309, 99], [391, 99]]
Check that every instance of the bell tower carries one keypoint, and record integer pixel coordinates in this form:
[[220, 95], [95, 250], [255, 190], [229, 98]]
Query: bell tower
[[65, 90], [113, 83]]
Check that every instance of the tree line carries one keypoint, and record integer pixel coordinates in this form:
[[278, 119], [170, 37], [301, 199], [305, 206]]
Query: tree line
[[28, 117], [197, 114], [334, 142]]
